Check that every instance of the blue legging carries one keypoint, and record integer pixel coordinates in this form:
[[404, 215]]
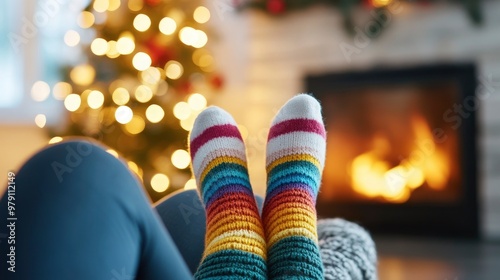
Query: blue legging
[[81, 214]]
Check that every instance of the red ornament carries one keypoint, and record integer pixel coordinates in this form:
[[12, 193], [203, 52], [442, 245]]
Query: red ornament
[[159, 54], [276, 6], [368, 4], [152, 3], [217, 81], [185, 87]]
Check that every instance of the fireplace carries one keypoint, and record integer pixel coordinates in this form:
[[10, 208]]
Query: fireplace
[[401, 150]]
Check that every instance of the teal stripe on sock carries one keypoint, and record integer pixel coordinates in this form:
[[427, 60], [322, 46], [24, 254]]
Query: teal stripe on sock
[[215, 266], [295, 256]]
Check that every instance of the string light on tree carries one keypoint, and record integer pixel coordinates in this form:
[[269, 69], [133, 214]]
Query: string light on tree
[[181, 159], [99, 46], [125, 45], [141, 61], [95, 99], [72, 102], [142, 22], [86, 19], [201, 14], [121, 96], [160, 182], [167, 26], [190, 184], [155, 113], [124, 114]]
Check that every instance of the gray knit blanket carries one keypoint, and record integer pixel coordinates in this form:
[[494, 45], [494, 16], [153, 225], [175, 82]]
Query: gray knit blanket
[[347, 250]]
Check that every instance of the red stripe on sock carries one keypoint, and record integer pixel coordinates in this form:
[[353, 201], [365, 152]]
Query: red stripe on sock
[[290, 196], [293, 125], [225, 130], [236, 202]]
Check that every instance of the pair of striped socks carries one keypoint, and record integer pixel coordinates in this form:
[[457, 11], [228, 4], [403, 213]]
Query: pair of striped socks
[[283, 243]]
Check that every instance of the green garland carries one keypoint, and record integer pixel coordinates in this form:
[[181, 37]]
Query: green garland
[[278, 7]]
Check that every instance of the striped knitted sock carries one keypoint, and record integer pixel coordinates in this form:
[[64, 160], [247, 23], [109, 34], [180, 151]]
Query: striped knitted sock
[[235, 247], [295, 159]]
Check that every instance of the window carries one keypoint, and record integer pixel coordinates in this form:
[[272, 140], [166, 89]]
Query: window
[[32, 49], [10, 58]]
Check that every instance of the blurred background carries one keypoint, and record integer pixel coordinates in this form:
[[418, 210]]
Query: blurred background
[[410, 93]]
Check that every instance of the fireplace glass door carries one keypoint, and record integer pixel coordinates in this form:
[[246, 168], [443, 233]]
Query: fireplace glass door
[[401, 148]]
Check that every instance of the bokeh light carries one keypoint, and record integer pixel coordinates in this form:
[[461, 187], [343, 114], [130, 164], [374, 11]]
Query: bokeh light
[[167, 26], [99, 46], [120, 96], [86, 19], [95, 99], [112, 152], [182, 110], [142, 22], [201, 39], [154, 113], [197, 101], [40, 91], [101, 5], [141, 61], [201, 14], [71, 38], [40, 120], [124, 114], [136, 125], [133, 166], [82, 75], [114, 5], [173, 70], [143, 93], [188, 35], [135, 5], [181, 159], [112, 51], [151, 75], [56, 139], [160, 182], [72, 102], [380, 3], [190, 184], [125, 44]]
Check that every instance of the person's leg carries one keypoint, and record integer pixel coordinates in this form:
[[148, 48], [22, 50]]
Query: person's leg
[[234, 245], [294, 161], [82, 215]]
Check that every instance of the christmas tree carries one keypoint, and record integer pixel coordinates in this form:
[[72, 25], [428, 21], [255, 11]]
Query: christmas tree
[[144, 78]]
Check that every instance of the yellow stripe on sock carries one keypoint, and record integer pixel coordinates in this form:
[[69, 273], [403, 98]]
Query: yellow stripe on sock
[[294, 157], [240, 233], [228, 225], [235, 245], [281, 219], [292, 232], [299, 221]]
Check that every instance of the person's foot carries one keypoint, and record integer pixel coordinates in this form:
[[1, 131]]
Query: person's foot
[[235, 247], [295, 159]]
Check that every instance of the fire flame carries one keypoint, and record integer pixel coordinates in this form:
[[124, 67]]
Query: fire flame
[[372, 176]]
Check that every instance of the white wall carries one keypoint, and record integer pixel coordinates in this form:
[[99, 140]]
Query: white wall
[[17, 144], [264, 60]]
